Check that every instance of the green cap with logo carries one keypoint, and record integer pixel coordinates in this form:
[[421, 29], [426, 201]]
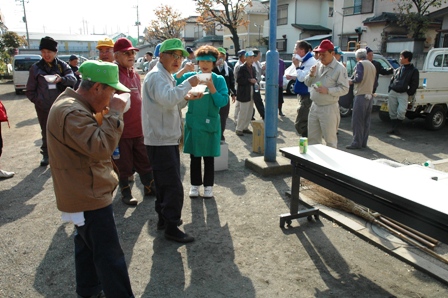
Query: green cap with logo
[[173, 44], [102, 72]]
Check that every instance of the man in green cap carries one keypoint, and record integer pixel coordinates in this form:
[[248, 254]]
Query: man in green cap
[[162, 130], [84, 127]]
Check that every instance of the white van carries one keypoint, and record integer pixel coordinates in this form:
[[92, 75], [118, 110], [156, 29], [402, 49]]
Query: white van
[[22, 64]]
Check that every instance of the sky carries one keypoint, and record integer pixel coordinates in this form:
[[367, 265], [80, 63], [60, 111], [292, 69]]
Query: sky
[[86, 16]]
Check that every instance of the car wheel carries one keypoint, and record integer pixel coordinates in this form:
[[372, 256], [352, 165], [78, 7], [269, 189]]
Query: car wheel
[[384, 116], [345, 112], [18, 91], [290, 87], [436, 119]]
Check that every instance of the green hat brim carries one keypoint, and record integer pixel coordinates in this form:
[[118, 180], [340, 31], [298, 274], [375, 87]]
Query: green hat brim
[[120, 87]]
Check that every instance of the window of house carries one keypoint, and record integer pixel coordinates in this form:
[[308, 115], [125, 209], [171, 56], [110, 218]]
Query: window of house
[[281, 45], [352, 7], [282, 15]]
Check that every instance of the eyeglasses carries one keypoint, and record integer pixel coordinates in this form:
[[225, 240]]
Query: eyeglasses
[[175, 56], [129, 53]]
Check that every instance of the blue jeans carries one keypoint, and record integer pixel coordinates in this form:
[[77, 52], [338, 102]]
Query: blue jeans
[[99, 259]]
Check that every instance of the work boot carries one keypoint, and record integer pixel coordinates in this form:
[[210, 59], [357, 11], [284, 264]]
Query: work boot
[[45, 161], [148, 182], [173, 233], [126, 194]]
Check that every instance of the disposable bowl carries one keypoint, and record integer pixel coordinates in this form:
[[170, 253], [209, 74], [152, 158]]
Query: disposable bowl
[[50, 78], [204, 76], [198, 89]]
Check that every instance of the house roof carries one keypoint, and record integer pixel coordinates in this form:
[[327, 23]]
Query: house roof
[[384, 17], [309, 27], [438, 13]]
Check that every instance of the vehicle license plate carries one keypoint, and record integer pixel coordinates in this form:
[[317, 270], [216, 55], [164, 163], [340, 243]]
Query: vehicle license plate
[[384, 107]]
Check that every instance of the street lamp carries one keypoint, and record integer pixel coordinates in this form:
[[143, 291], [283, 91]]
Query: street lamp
[[259, 32]]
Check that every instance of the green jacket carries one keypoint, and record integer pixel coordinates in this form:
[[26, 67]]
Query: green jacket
[[202, 130]]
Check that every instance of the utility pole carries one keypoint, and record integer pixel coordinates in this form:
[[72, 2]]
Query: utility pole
[[138, 26], [26, 23]]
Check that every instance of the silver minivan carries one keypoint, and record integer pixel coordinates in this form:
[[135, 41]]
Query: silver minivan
[[22, 64]]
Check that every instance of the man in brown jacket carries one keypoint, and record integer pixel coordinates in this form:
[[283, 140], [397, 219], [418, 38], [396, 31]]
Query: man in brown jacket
[[80, 145]]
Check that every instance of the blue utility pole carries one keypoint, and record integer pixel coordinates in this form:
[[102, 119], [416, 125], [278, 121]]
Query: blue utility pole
[[271, 118]]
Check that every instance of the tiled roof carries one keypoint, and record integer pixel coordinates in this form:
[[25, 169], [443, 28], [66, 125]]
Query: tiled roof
[[384, 17]]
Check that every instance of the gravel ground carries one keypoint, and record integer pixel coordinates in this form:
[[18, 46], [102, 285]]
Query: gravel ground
[[239, 251]]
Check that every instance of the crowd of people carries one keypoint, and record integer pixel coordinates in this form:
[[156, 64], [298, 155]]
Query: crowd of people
[[100, 125]]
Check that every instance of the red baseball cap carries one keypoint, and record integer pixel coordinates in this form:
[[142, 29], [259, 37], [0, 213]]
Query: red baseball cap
[[123, 44], [325, 45]]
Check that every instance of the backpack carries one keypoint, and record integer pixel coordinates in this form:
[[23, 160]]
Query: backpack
[[3, 114]]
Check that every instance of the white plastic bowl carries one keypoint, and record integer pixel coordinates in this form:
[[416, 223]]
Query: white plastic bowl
[[198, 89], [126, 97], [203, 77], [50, 78]]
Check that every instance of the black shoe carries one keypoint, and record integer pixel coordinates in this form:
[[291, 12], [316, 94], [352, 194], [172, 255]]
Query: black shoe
[[162, 226], [126, 196], [178, 236], [352, 147], [281, 114], [45, 161], [247, 131]]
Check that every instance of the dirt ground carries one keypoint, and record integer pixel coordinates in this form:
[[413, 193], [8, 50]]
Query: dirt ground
[[239, 251]]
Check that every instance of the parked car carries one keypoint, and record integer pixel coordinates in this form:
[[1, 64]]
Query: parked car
[[139, 63], [65, 58], [393, 62], [288, 85], [346, 101], [21, 70]]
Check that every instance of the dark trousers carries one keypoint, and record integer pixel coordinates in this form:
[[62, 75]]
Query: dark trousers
[[224, 114], [280, 98], [170, 191], [196, 171], [42, 117], [133, 155], [301, 123], [362, 110], [258, 101], [99, 259]]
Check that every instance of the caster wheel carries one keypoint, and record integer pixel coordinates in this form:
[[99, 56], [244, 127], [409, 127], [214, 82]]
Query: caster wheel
[[316, 216], [288, 222], [309, 218]]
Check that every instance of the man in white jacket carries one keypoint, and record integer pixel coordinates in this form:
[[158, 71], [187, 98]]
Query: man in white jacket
[[162, 130]]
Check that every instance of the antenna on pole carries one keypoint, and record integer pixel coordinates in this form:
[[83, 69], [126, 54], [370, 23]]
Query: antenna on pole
[[137, 23], [26, 23]]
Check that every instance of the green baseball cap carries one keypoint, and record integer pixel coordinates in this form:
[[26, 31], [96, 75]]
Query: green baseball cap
[[102, 72], [173, 44], [222, 50]]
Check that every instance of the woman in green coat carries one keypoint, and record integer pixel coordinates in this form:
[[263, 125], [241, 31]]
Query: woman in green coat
[[202, 133]]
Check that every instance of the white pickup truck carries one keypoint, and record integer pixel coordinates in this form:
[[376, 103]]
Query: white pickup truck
[[431, 101]]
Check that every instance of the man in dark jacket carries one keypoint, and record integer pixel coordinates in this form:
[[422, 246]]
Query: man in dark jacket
[[380, 70], [404, 83], [246, 80], [222, 68], [42, 89]]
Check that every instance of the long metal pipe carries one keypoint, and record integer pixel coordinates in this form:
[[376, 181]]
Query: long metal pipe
[[271, 99]]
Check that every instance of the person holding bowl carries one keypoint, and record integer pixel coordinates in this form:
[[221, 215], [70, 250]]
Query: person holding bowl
[[202, 132]]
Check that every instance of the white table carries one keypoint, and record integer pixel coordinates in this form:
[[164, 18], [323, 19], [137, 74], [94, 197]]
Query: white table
[[418, 199]]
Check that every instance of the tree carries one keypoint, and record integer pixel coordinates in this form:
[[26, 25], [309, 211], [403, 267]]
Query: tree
[[168, 24], [9, 42], [414, 14], [228, 13]]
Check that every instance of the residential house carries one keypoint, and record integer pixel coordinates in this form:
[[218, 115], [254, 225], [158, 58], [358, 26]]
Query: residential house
[[253, 34], [309, 20]]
